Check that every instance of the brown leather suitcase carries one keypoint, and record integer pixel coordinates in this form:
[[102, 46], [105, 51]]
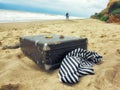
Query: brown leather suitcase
[[48, 51]]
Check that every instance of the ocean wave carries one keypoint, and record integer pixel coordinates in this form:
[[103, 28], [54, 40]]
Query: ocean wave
[[18, 16]]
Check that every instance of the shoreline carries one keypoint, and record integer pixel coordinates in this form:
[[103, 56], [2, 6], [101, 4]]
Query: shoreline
[[27, 21], [16, 16]]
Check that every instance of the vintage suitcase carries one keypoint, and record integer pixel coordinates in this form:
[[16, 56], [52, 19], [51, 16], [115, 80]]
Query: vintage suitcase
[[48, 52]]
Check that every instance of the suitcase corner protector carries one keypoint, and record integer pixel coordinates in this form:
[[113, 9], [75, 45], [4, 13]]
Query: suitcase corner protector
[[46, 47], [47, 67]]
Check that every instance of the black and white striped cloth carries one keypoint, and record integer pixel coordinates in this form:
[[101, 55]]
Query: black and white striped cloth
[[77, 63]]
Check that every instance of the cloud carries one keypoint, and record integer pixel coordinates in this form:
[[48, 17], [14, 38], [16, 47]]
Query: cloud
[[75, 7]]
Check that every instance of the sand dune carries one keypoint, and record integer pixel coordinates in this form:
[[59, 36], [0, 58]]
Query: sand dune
[[19, 72]]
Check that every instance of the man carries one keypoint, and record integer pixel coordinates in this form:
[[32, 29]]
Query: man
[[67, 16]]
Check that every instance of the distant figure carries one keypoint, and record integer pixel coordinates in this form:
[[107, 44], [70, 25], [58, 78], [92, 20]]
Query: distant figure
[[67, 16]]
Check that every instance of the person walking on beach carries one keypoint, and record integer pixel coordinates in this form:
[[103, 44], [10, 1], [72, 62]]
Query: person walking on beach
[[67, 16]]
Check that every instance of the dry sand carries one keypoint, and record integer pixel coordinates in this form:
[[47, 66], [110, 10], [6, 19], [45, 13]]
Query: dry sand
[[18, 71]]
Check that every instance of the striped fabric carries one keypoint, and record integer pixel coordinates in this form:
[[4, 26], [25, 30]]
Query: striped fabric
[[76, 64]]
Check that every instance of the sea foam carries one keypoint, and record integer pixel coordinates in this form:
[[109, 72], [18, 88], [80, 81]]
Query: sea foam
[[18, 16]]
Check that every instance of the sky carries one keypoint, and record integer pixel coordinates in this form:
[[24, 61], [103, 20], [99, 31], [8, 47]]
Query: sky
[[79, 8]]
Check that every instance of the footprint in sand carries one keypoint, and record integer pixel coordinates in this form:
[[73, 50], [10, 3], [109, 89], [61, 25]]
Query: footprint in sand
[[46, 32], [20, 55], [113, 35], [72, 31], [118, 51], [60, 31], [10, 87], [0, 43], [102, 36]]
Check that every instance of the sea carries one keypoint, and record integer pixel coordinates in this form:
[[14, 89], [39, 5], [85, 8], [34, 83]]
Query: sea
[[7, 16]]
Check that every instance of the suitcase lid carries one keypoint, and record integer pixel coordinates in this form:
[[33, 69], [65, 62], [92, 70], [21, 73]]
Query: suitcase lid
[[52, 42]]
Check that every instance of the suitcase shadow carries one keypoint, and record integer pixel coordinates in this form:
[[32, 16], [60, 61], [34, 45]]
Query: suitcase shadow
[[41, 69]]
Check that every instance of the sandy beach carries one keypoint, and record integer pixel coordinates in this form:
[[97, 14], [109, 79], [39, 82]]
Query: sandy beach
[[20, 72]]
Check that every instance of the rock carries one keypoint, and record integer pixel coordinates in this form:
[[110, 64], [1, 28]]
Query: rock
[[111, 14], [11, 46]]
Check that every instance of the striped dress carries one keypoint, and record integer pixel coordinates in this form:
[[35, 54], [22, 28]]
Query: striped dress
[[76, 64]]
